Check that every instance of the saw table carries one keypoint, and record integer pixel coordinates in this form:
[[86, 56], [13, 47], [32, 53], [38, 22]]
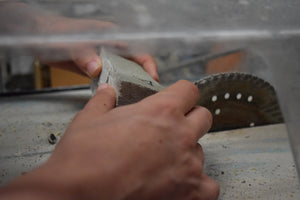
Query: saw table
[[251, 163]]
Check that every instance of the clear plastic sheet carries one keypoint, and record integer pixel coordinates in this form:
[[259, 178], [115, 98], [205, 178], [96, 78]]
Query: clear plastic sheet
[[267, 30]]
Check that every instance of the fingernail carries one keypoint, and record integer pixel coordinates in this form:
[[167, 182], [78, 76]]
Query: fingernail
[[92, 67], [102, 86]]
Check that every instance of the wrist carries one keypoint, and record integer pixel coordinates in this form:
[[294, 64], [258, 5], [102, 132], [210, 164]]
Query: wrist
[[37, 185]]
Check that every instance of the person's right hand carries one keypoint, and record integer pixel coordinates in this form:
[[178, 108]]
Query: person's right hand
[[146, 150]]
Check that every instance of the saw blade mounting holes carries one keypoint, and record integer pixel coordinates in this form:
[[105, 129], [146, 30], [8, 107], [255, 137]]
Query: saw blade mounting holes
[[250, 98], [214, 98], [227, 95], [217, 111]]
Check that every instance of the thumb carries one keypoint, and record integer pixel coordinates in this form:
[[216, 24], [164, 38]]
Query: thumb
[[103, 101]]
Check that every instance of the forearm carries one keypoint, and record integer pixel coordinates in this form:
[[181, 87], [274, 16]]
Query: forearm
[[49, 182], [39, 184], [25, 193], [19, 18]]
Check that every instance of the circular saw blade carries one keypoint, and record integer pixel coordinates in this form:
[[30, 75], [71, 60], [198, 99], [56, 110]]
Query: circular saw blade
[[238, 100]]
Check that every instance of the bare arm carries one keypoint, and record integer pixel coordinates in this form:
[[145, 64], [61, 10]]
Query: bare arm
[[147, 150], [20, 18]]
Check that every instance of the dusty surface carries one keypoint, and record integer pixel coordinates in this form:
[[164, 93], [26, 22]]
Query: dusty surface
[[26, 124], [253, 163]]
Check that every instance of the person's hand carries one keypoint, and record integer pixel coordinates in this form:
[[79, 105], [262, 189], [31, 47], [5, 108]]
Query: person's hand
[[146, 150], [84, 58], [80, 57]]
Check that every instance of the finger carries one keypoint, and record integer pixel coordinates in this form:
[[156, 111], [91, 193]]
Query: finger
[[183, 95], [90, 25], [208, 188], [148, 63], [201, 120], [87, 60], [199, 153], [103, 101], [68, 25]]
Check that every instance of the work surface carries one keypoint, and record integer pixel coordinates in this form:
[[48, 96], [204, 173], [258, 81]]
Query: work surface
[[252, 163]]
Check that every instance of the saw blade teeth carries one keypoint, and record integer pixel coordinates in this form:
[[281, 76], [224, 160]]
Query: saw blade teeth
[[228, 95], [247, 77], [202, 82], [230, 76]]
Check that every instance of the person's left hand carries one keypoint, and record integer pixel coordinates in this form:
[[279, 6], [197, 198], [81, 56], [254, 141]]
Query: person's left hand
[[84, 58], [67, 52]]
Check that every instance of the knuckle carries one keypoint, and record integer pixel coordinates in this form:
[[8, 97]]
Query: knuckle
[[185, 82], [193, 168], [209, 115], [166, 106], [191, 87], [199, 151], [206, 115], [188, 138], [199, 147], [195, 90], [214, 190], [196, 166]]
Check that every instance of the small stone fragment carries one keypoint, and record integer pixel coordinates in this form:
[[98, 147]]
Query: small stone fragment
[[52, 139]]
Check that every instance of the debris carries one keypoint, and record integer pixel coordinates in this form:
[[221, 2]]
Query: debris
[[52, 138]]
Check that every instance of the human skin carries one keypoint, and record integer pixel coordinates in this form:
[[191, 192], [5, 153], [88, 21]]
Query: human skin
[[146, 150], [20, 18]]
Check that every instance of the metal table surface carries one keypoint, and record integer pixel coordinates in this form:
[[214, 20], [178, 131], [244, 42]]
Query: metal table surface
[[251, 163]]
